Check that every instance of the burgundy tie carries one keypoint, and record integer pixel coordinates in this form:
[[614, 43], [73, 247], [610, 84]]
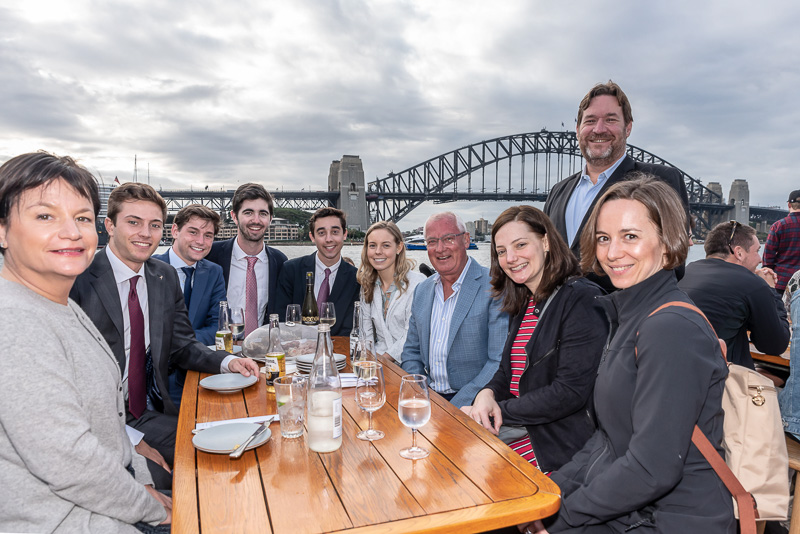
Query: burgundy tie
[[324, 289], [137, 389], [250, 297]]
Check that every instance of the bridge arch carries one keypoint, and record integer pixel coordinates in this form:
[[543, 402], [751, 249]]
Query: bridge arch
[[461, 175]]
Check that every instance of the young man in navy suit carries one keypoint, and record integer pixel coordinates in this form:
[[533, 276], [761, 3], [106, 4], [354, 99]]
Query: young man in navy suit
[[203, 286], [334, 279], [246, 261]]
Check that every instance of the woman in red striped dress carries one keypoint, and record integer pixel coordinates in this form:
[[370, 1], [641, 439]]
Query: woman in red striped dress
[[540, 399]]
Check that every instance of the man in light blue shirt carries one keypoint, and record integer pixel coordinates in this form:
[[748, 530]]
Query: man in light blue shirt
[[456, 331]]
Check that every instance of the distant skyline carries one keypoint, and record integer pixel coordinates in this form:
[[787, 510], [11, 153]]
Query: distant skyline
[[217, 94]]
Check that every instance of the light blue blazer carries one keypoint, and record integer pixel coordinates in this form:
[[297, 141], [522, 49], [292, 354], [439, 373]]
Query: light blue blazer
[[478, 331]]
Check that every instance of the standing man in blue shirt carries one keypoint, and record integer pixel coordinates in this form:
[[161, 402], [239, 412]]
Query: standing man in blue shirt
[[605, 120], [457, 331], [193, 231]]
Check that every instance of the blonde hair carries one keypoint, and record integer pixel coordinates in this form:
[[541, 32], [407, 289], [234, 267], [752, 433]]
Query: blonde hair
[[367, 275]]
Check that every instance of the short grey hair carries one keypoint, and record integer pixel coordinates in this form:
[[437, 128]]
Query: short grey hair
[[445, 215]]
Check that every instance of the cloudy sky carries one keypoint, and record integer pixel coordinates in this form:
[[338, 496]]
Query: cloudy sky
[[219, 93]]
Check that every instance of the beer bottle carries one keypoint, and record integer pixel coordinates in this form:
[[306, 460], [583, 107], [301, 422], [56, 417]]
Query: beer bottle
[[310, 312], [276, 356]]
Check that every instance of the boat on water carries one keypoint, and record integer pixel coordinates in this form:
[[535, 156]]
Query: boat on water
[[417, 242]]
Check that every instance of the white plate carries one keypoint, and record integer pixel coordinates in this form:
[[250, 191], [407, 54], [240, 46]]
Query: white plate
[[223, 439], [309, 358], [228, 382], [236, 348]]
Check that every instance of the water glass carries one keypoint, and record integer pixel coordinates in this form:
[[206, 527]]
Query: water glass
[[364, 353], [293, 314], [414, 410], [370, 396], [290, 395]]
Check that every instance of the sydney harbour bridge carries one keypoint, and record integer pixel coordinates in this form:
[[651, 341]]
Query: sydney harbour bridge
[[516, 168]]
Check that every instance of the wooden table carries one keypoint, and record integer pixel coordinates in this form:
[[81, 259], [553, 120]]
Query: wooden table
[[471, 482], [780, 362]]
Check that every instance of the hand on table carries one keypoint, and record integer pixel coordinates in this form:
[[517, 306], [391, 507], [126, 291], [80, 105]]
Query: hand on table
[[164, 501], [243, 366], [485, 411], [150, 453], [536, 527]]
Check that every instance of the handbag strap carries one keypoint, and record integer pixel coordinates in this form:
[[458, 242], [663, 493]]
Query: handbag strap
[[748, 508]]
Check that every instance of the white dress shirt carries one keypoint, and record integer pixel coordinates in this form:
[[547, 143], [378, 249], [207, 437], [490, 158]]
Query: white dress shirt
[[238, 278], [319, 274], [178, 263]]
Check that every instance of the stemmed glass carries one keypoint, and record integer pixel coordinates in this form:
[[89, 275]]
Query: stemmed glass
[[327, 313], [237, 323], [414, 409], [364, 353], [370, 396], [292, 314]]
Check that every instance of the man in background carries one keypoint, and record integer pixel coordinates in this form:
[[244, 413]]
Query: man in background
[[193, 231], [250, 268], [782, 251], [457, 331], [334, 279], [736, 296]]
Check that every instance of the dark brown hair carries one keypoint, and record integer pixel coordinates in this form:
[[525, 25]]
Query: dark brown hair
[[664, 209], [327, 212], [719, 242], [610, 89], [35, 169], [251, 191], [559, 262], [130, 192], [197, 210]]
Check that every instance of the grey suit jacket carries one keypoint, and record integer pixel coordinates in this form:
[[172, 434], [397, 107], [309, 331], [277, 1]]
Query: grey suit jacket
[[478, 331], [172, 340]]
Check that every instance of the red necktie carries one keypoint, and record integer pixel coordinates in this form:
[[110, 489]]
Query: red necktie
[[137, 380], [324, 289], [250, 297]]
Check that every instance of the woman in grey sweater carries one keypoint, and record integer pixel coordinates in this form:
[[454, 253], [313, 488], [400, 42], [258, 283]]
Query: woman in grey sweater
[[65, 458]]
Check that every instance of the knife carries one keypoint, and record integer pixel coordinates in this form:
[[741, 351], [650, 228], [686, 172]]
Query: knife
[[241, 448]]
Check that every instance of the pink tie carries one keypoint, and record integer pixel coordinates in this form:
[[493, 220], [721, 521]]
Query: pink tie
[[250, 297], [137, 382], [324, 289]]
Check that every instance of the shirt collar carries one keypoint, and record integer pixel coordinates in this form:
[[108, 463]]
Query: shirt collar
[[121, 271], [321, 266], [457, 284], [176, 260], [239, 254], [606, 174]]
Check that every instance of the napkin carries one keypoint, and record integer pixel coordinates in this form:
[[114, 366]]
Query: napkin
[[348, 380], [258, 420]]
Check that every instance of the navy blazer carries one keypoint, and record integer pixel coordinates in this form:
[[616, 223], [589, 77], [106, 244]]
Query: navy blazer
[[172, 341], [345, 291], [221, 252], [208, 289], [556, 205]]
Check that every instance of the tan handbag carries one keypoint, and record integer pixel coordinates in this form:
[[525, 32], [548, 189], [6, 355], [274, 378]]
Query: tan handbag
[[756, 464]]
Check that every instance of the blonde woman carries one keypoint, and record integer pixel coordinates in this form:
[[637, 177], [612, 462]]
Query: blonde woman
[[387, 288]]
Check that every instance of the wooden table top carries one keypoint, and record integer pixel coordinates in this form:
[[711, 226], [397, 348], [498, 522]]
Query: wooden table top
[[471, 482], [781, 360]]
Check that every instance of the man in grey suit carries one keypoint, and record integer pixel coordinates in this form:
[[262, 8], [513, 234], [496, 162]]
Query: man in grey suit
[[137, 305], [457, 331], [605, 120]]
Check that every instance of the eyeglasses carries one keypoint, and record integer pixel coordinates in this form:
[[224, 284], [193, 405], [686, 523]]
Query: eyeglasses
[[734, 226], [447, 240]]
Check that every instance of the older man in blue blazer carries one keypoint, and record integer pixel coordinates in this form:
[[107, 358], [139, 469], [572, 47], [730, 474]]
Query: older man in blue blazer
[[193, 231], [457, 331]]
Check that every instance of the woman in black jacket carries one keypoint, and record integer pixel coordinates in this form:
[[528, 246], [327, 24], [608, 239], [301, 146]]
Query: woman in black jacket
[[539, 401], [660, 375]]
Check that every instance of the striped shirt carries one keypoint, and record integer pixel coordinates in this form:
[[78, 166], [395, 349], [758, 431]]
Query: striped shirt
[[519, 359], [441, 315], [782, 250]]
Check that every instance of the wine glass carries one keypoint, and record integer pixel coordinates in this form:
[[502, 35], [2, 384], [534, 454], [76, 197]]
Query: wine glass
[[237, 323], [414, 409], [327, 313], [370, 396], [364, 353], [292, 314]]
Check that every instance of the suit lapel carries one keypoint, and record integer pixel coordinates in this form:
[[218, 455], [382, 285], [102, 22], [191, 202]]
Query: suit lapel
[[200, 288], [466, 296], [428, 293], [107, 293]]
